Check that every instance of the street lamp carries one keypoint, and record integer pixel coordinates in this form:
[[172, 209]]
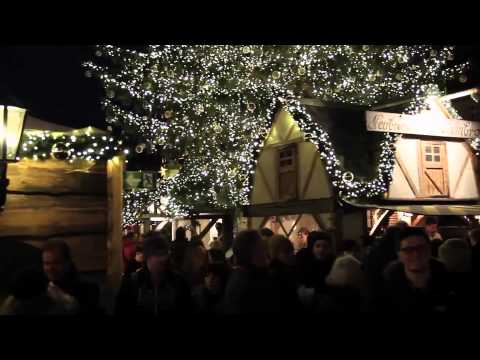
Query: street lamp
[[12, 121]]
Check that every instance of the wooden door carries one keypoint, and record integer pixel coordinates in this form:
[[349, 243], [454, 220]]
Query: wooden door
[[433, 169], [287, 172]]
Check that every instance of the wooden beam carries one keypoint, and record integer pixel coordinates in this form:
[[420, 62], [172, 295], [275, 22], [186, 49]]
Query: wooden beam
[[476, 170], [115, 269], [378, 222], [460, 176], [45, 217], [310, 173], [227, 222], [418, 218], [281, 225], [290, 130], [207, 229], [324, 205], [404, 170], [320, 222], [392, 104], [49, 177], [264, 178], [294, 224], [320, 103], [202, 217], [264, 221]]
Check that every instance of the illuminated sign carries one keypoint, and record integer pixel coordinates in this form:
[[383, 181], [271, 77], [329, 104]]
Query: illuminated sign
[[427, 123]]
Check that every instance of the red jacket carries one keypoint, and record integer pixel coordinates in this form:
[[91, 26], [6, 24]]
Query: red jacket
[[129, 248]]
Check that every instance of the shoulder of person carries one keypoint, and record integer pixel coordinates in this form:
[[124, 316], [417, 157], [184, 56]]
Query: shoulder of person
[[393, 270], [437, 266], [8, 306]]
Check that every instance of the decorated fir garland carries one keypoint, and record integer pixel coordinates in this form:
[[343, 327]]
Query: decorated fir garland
[[46, 145]]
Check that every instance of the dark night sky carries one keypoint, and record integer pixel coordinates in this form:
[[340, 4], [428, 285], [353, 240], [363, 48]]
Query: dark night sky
[[50, 82]]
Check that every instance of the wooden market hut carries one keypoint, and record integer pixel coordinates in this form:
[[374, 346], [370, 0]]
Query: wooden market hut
[[292, 189], [56, 199], [436, 172]]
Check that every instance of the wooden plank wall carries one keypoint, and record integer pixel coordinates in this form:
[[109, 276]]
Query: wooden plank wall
[[56, 199]]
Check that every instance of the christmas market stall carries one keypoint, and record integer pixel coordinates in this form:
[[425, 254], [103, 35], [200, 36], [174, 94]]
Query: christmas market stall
[[435, 165], [60, 187]]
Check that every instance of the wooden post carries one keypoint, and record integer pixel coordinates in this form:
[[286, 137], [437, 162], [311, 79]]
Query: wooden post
[[147, 226], [338, 231], [174, 228], [227, 221], [115, 168]]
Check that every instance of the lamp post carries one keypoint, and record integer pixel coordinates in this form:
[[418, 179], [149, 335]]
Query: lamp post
[[12, 121]]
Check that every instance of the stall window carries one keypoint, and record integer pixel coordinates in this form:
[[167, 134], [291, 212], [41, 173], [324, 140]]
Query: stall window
[[433, 169], [287, 172]]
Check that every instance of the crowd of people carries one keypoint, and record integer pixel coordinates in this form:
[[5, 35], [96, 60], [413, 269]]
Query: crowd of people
[[408, 270]]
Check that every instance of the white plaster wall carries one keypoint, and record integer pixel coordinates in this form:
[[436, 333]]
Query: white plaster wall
[[267, 162], [407, 149], [399, 188], [456, 155], [319, 185]]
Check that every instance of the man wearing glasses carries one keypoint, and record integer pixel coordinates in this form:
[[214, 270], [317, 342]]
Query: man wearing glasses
[[416, 282]]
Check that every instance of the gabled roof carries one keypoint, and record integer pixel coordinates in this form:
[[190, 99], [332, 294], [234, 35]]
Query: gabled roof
[[355, 147], [33, 123]]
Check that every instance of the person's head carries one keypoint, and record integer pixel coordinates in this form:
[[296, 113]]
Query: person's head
[[349, 245], [156, 252], [250, 250], [139, 257], [219, 228], [302, 235], [196, 259], [216, 256], [320, 245], [57, 260], [456, 255], [130, 236], [474, 236], [401, 224], [414, 250], [181, 234], [389, 241], [216, 278], [29, 284], [346, 272], [431, 225], [281, 249], [266, 233]]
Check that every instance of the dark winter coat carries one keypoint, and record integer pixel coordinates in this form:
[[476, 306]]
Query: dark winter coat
[[87, 294], [207, 302], [400, 296], [285, 282], [250, 291], [312, 272], [476, 260], [138, 296], [339, 300]]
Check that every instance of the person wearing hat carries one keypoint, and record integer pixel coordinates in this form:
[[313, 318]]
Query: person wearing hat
[[155, 289], [316, 260]]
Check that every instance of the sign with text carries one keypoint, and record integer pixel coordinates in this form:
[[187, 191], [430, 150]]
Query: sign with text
[[422, 124]]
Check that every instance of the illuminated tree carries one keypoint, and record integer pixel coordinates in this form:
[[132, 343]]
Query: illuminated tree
[[214, 104]]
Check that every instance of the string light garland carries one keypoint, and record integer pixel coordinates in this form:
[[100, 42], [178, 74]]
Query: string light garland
[[215, 105], [46, 145]]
